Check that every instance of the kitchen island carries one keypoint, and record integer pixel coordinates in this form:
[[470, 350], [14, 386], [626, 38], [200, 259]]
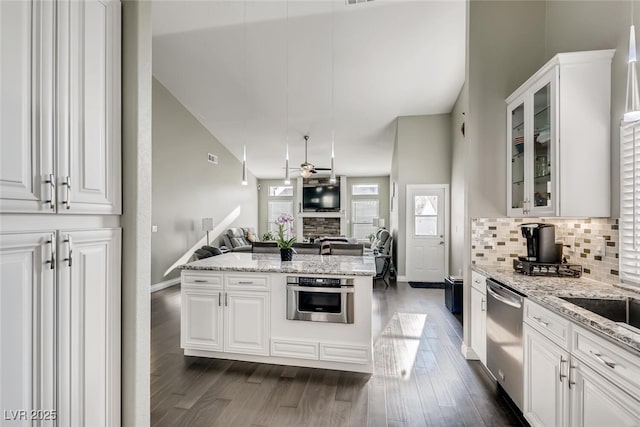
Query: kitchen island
[[250, 307]]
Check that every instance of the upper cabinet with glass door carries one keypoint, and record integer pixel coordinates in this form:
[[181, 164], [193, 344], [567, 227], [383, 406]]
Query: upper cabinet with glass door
[[558, 139]]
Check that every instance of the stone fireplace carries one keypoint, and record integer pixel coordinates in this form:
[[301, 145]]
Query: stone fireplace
[[313, 227]]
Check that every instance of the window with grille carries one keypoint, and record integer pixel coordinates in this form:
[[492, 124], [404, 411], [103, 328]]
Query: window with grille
[[363, 211], [629, 226], [277, 208]]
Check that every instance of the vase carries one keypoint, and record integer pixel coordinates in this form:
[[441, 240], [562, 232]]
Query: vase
[[286, 254]]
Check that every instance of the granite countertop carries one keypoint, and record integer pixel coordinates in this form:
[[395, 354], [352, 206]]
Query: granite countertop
[[547, 290], [302, 264]]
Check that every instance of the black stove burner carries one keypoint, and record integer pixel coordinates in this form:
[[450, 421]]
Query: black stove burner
[[532, 268]]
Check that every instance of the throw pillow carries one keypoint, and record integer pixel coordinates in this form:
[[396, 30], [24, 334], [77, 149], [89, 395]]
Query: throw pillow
[[238, 241], [250, 237]]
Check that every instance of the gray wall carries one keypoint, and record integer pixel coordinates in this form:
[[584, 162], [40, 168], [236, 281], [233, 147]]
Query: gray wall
[[458, 193], [422, 155], [187, 188]]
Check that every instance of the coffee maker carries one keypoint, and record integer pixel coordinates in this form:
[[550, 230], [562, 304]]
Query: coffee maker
[[541, 243]]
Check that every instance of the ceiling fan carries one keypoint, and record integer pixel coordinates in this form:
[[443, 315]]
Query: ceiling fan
[[307, 169]]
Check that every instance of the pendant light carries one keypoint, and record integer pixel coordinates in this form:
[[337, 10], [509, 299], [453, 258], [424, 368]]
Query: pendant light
[[244, 72], [244, 165], [332, 178], [287, 176], [632, 105]]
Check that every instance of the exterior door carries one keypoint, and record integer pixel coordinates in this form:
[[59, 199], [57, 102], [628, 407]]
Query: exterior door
[[426, 254], [27, 326]]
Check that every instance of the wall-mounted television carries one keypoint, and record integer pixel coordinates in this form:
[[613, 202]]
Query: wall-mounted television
[[321, 198]]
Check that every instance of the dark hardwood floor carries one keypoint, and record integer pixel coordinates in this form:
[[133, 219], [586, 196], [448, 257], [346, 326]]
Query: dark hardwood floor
[[420, 376]]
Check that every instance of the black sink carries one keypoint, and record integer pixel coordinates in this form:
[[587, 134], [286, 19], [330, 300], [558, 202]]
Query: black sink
[[625, 310]]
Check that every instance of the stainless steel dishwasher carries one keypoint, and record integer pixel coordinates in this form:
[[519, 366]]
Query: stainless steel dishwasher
[[504, 338]]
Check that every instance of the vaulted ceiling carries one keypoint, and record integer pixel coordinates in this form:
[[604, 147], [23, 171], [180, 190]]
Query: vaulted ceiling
[[263, 72]]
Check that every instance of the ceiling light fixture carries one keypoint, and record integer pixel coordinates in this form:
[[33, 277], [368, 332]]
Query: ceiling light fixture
[[287, 176], [244, 165], [632, 104]]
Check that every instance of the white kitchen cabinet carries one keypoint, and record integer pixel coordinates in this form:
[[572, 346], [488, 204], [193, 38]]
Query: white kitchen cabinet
[[546, 392], [26, 81], [201, 318], [597, 402], [246, 322], [225, 313], [27, 322], [89, 328], [558, 138], [73, 117], [585, 381], [88, 106], [479, 316]]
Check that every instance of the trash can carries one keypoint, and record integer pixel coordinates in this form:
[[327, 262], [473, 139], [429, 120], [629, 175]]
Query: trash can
[[453, 294]]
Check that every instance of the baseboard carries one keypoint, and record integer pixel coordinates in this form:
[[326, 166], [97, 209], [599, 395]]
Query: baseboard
[[402, 279], [166, 284], [468, 352]]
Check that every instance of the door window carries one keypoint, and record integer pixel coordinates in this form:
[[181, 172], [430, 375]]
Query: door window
[[426, 215]]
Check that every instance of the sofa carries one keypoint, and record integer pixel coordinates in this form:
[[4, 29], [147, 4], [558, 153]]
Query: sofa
[[239, 239]]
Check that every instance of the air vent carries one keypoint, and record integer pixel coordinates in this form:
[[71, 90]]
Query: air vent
[[351, 2], [212, 158]]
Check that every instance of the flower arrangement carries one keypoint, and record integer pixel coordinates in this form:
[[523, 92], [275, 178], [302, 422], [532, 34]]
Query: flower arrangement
[[286, 232]]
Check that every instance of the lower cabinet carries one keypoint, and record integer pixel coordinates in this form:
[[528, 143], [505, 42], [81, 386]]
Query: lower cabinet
[[560, 389], [545, 380], [60, 312], [217, 319], [597, 402], [479, 317]]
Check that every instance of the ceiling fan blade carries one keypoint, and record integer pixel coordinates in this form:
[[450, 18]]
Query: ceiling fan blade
[[323, 169]]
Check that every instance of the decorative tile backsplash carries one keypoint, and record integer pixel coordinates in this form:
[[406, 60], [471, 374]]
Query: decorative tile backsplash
[[496, 241]]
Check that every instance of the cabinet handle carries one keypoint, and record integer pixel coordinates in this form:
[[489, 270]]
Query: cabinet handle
[[542, 322], [201, 281], [67, 196], [483, 304], [561, 362], [52, 257], [601, 359], [245, 282], [69, 242], [51, 180], [476, 281], [226, 299], [219, 299], [571, 382]]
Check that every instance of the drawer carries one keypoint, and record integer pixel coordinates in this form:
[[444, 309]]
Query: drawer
[[247, 281], [479, 282], [615, 363], [549, 324], [294, 348], [208, 280], [344, 353]]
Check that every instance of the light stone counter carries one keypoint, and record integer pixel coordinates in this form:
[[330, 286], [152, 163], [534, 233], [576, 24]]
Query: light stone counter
[[547, 290], [301, 264]]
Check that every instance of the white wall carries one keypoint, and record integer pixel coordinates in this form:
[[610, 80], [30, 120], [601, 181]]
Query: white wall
[[186, 187], [422, 155]]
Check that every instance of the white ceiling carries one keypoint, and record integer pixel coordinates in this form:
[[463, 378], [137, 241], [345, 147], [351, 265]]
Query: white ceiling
[[390, 58]]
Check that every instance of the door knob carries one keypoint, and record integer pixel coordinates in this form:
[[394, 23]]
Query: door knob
[[442, 243]]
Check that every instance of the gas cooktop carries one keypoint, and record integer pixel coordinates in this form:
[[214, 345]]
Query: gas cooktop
[[557, 269]]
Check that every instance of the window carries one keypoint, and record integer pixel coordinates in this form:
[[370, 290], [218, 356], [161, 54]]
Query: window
[[280, 191], [426, 215], [277, 208], [630, 203], [364, 190], [362, 214]]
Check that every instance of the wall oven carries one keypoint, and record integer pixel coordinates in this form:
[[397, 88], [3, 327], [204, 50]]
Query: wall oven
[[320, 299]]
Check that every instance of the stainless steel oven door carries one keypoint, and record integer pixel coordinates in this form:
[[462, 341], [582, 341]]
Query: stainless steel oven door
[[320, 304]]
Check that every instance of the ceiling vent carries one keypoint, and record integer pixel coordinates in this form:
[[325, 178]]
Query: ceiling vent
[[351, 2], [212, 158]]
